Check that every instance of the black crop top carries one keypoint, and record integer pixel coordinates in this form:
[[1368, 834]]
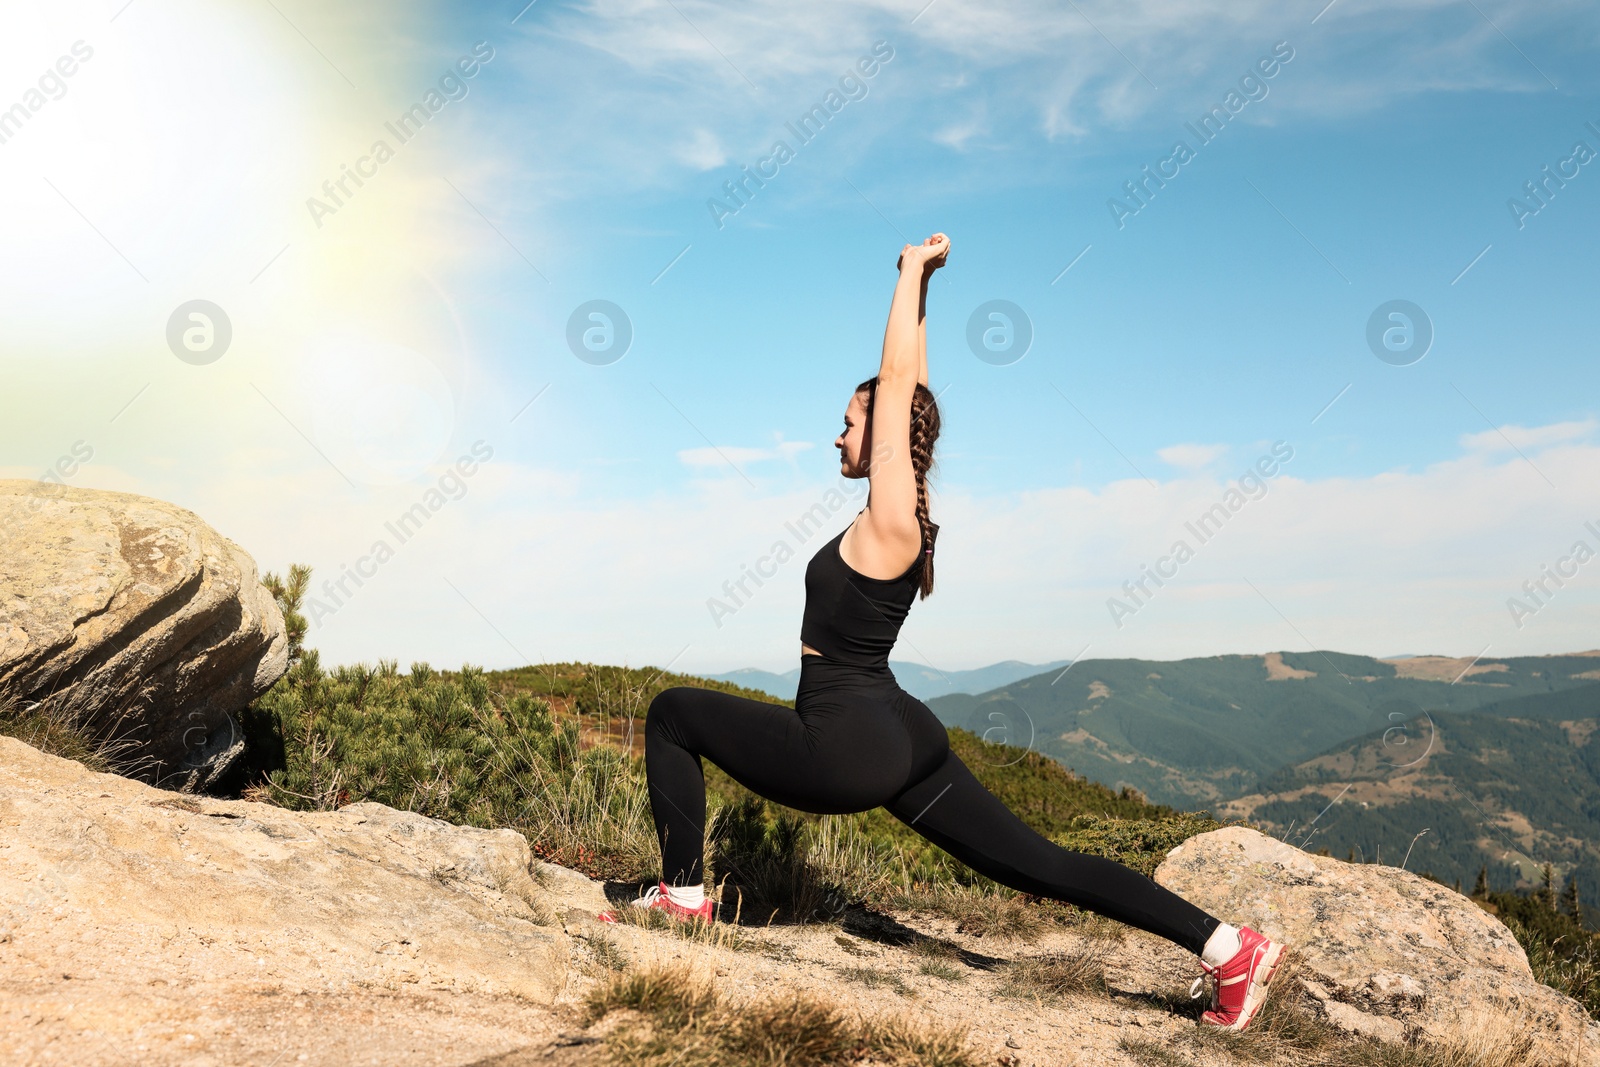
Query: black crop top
[[851, 618]]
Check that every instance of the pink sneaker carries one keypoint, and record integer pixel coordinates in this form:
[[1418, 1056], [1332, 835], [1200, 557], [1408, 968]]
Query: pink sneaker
[[1239, 986], [656, 897]]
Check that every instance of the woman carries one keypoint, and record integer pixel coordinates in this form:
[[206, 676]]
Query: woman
[[855, 740]]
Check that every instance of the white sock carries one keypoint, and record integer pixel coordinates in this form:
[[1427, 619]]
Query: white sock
[[687, 896], [1223, 945]]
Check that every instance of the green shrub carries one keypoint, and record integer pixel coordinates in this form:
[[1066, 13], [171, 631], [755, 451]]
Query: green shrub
[[1139, 843], [436, 742], [290, 593], [1563, 953]]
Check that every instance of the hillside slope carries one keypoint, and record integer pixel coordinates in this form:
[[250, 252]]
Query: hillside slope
[[1190, 733]]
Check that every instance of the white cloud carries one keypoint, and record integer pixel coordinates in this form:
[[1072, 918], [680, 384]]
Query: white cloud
[[1525, 437], [1191, 456], [956, 134], [702, 151]]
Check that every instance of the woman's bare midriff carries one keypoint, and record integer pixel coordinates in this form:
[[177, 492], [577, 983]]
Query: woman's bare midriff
[[807, 650]]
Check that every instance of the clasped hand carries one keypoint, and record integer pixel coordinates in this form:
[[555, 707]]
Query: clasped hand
[[929, 256]]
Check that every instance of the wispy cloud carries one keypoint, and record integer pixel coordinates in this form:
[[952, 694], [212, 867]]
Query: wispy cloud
[[1508, 437], [701, 151], [1191, 456], [1060, 71]]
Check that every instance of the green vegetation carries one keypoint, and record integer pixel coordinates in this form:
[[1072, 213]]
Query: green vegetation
[[1140, 843], [444, 744], [290, 593], [1549, 924]]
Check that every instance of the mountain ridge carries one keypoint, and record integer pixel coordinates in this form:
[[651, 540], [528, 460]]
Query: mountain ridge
[[921, 681]]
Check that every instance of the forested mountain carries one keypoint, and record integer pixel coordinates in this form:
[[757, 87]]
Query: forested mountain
[[1192, 732], [1465, 790], [1492, 759]]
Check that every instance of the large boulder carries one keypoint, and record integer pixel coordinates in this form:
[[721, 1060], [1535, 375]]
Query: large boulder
[[134, 618], [1385, 952], [142, 925]]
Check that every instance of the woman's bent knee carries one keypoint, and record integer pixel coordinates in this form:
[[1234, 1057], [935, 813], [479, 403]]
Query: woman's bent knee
[[665, 707]]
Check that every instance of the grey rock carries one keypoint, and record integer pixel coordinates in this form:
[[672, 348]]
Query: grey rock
[[1384, 951], [136, 619]]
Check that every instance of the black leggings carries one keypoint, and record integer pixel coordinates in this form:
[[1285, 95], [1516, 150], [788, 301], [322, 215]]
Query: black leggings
[[855, 741]]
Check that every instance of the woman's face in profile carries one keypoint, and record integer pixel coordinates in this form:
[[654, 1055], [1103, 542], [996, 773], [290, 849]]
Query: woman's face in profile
[[855, 441]]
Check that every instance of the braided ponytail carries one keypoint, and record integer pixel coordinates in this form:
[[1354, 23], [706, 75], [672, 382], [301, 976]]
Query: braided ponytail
[[924, 432]]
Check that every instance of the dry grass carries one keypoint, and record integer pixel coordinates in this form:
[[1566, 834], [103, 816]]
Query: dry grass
[[1148, 1052], [586, 809], [1055, 974], [683, 1021], [872, 977], [607, 953], [1572, 968], [60, 731], [939, 959], [1090, 924], [976, 912], [849, 945], [941, 970]]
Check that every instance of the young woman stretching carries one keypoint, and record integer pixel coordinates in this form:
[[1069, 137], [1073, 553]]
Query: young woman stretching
[[855, 740]]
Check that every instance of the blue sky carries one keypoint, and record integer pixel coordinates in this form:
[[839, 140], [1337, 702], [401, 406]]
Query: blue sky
[[1228, 313]]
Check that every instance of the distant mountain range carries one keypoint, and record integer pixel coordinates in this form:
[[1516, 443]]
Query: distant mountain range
[[922, 682], [1492, 756]]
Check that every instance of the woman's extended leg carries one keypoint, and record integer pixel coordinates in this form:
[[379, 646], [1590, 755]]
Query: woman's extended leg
[[835, 757], [952, 809]]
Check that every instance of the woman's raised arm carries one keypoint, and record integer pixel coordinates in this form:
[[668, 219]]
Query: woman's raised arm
[[929, 266], [891, 516], [922, 326]]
